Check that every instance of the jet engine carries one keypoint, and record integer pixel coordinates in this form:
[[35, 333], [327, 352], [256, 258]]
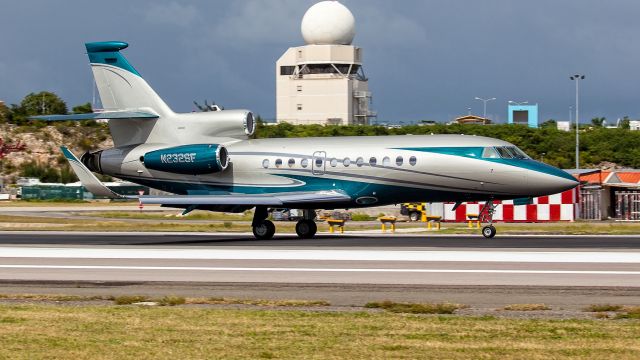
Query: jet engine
[[197, 159]]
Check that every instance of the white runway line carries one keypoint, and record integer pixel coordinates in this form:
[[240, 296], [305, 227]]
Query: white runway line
[[328, 255], [297, 269]]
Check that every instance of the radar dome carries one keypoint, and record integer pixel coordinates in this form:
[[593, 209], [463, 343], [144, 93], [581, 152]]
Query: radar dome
[[328, 23]]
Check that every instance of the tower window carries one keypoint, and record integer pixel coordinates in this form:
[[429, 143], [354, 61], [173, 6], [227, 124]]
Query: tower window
[[287, 70]]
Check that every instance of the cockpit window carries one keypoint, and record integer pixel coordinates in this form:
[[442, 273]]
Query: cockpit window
[[505, 152], [490, 153], [521, 154]]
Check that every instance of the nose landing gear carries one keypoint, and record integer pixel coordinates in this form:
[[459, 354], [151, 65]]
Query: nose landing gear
[[486, 215]]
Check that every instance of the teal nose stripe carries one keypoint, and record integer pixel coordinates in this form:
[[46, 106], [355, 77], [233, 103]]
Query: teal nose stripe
[[475, 152]]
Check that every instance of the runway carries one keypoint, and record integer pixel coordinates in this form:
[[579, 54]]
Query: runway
[[392, 262]]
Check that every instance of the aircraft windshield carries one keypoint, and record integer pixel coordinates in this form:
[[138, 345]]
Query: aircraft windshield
[[504, 152]]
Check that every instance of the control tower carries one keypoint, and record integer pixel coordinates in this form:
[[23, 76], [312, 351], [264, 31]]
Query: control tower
[[323, 81]]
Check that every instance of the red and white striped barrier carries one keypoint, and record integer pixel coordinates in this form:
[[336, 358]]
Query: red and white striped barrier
[[557, 207]]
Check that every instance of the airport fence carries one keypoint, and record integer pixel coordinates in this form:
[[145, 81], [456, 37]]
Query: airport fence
[[627, 205]]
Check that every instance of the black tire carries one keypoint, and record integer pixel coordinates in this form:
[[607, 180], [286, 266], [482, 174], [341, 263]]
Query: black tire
[[414, 216], [489, 231], [264, 230], [306, 229]]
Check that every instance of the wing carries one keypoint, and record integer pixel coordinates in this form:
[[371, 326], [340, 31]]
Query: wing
[[274, 199], [88, 180], [97, 116]]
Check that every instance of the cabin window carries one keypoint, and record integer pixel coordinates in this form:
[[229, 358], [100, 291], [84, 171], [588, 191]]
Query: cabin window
[[334, 162], [304, 163], [292, 162], [359, 161], [265, 163], [399, 160], [490, 153], [373, 161], [319, 162], [413, 161], [386, 161], [299, 88], [278, 163], [299, 107], [346, 162]]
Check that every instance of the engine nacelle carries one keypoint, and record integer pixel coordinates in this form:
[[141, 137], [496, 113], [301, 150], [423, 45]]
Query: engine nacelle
[[197, 159]]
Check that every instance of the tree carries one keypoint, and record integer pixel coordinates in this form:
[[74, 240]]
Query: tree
[[5, 113], [82, 109], [598, 121], [624, 124], [43, 103]]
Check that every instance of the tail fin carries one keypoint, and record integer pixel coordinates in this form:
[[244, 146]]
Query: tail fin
[[121, 88], [120, 85]]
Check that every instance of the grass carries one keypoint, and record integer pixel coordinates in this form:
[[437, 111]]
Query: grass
[[412, 308], [125, 332], [526, 307], [53, 297], [258, 302], [129, 299], [602, 308]]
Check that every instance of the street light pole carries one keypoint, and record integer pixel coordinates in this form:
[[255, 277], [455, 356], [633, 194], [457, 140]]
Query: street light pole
[[577, 79], [484, 114]]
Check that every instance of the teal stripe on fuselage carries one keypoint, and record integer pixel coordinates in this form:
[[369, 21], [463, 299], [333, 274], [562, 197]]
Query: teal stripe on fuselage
[[386, 194], [476, 153]]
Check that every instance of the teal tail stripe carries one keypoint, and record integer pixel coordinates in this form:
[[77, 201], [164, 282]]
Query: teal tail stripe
[[108, 52]]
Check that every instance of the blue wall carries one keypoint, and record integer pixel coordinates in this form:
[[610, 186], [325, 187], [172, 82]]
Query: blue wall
[[533, 113]]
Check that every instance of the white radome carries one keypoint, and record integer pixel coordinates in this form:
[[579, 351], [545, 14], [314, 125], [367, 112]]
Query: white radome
[[328, 23]]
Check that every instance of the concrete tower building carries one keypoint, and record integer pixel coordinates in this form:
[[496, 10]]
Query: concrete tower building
[[323, 82]]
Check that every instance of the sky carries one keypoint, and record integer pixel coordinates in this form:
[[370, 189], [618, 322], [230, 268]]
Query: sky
[[426, 60]]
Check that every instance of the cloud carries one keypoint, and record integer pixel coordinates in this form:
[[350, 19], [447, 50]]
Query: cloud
[[171, 13], [263, 22]]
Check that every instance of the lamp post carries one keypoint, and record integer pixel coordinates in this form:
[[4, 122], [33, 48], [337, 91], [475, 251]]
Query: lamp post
[[577, 79], [484, 114]]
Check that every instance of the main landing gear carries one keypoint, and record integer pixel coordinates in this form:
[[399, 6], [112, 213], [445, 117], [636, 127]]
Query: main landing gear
[[307, 228], [264, 229], [486, 215]]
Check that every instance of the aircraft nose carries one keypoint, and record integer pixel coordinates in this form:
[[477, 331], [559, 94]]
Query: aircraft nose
[[547, 180]]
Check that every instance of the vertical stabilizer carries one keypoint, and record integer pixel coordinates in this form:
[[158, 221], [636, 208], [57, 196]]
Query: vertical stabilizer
[[122, 88]]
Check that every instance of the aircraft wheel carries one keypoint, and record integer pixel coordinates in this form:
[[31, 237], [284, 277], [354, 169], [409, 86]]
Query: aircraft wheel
[[306, 229], [414, 216], [489, 231], [264, 230]]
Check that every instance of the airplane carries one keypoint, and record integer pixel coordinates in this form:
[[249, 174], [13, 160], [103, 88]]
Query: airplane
[[209, 161]]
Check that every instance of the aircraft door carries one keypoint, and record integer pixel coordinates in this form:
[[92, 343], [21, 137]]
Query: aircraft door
[[318, 164]]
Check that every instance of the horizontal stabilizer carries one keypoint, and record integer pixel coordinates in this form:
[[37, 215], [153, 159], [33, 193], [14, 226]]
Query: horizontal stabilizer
[[97, 116], [276, 199], [88, 180]]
